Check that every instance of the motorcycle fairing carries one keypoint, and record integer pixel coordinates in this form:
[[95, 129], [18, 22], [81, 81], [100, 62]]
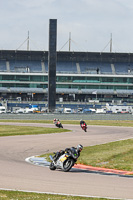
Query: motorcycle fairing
[[60, 161]]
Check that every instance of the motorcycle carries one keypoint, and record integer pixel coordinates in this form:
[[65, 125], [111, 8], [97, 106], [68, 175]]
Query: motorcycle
[[64, 161], [59, 125], [84, 127]]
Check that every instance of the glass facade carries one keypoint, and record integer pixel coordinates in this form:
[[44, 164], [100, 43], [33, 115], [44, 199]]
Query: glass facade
[[79, 73], [65, 81]]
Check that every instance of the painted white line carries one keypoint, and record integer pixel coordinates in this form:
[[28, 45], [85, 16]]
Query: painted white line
[[54, 193], [38, 161]]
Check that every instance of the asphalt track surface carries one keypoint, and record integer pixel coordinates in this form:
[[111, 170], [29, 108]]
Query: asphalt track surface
[[17, 174]]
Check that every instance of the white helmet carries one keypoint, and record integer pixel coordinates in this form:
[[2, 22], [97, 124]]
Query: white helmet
[[79, 147]]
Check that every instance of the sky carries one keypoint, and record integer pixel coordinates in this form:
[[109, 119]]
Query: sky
[[91, 24]]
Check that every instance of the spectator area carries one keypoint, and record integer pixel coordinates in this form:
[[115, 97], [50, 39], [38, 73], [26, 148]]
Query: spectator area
[[68, 67], [123, 68], [2, 65], [25, 66]]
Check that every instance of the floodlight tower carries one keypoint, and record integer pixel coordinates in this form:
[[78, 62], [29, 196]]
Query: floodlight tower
[[52, 65]]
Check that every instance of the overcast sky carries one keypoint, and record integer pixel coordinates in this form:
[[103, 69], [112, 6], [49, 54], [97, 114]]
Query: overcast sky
[[90, 22]]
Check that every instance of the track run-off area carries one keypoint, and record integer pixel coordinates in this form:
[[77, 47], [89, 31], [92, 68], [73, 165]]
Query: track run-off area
[[17, 174]]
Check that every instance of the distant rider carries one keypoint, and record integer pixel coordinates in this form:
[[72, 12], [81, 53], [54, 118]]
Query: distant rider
[[82, 122], [56, 121]]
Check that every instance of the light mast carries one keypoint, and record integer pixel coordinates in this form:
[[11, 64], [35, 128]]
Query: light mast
[[28, 45], [111, 43], [69, 41]]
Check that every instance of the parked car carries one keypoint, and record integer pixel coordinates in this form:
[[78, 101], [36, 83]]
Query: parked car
[[67, 110], [2, 109]]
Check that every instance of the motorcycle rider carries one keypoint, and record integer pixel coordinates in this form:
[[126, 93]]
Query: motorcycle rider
[[56, 122], [82, 122], [78, 149]]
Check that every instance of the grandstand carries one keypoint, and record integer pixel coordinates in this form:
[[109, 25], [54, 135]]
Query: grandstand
[[80, 76]]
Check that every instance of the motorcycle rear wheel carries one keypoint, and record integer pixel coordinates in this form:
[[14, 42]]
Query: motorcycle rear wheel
[[52, 167], [60, 126], [67, 165]]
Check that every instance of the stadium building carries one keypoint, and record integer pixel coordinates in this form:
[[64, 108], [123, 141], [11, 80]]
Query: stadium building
[[80, 76]]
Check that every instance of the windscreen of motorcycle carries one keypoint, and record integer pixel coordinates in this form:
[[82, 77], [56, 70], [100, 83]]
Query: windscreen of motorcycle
[[74, 153]]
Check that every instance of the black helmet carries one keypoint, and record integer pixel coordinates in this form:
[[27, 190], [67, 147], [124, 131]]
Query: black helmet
[[79, 147]]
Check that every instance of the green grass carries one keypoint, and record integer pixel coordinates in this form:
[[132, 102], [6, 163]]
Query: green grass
[[11, 130], [16, 195], [127, 123], [113, 155], [27, 121]]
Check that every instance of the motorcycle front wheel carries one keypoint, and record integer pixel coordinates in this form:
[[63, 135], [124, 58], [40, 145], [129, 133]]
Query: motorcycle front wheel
[[52, 167], [67, 165]]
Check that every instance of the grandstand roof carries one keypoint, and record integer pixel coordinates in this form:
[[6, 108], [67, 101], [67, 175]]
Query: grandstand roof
[[66, 91], [67, 56]]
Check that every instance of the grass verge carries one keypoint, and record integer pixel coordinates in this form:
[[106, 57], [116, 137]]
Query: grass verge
[[16, 195], [127, 123], [113, 155], [11, 130]]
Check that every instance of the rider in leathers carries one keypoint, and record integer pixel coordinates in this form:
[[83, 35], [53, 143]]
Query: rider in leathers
[[82, 122], [56, 122], [69, 151]]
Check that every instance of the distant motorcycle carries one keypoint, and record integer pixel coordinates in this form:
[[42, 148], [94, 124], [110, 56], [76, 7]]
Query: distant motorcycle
[[58, 124], [84, 127], [65, 161]]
